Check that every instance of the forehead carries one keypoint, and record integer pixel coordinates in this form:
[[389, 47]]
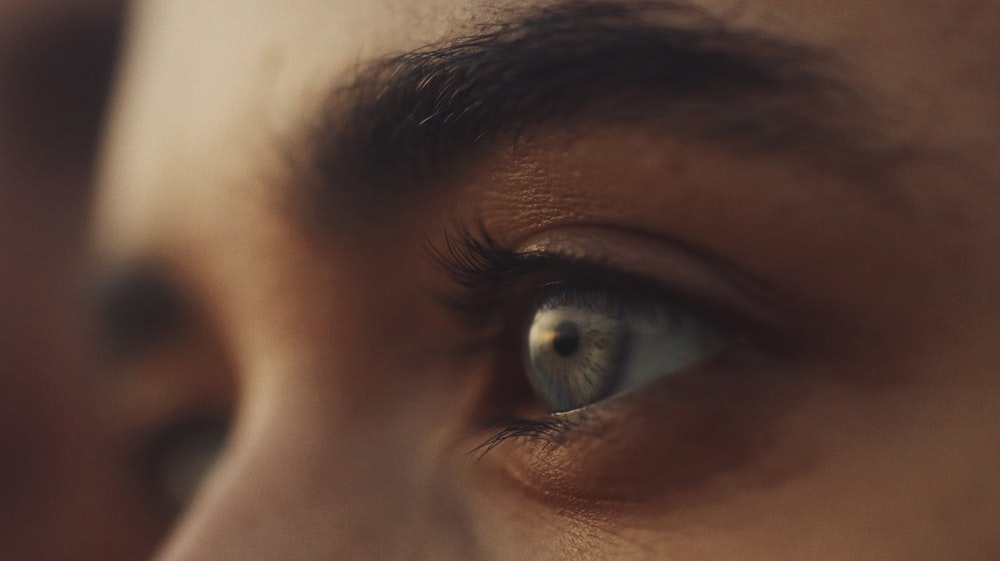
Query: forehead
[[212, 90]]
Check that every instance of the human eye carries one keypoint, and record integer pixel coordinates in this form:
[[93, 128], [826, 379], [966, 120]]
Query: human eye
[[594, 331]]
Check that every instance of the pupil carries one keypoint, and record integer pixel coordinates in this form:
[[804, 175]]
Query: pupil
[[566, 338]]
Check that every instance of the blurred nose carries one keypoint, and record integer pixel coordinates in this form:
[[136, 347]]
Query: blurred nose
[[306, 476]]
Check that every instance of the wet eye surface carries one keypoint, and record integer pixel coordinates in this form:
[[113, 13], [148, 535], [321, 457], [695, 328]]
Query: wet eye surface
[[586, 344]]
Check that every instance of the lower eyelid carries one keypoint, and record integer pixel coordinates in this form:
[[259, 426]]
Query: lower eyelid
[[673, 438]]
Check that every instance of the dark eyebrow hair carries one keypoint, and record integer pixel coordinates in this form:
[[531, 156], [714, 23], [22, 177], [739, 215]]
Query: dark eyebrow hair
[[406, 122]]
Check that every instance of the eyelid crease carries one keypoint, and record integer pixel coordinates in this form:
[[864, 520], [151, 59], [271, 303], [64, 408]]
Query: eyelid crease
[[602, 246]]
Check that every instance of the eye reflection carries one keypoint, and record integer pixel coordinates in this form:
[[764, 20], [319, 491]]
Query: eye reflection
[[587, 344]]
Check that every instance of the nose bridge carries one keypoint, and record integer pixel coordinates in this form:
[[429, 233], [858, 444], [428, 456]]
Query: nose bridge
[[298, 482]]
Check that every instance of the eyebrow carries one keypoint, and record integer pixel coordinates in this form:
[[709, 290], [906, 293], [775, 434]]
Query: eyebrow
[[408, 122]]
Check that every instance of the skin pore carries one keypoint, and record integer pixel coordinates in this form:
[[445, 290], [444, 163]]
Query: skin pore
[[363, 207]]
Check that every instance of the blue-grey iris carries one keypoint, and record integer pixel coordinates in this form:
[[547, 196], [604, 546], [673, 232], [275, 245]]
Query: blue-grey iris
[[587, 344]]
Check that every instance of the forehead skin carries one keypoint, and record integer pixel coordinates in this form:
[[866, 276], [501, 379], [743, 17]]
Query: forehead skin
[[197, 175]]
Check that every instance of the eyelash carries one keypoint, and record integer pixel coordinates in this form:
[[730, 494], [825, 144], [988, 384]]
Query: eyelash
[[485, 278], [551, 431], [482, 273]]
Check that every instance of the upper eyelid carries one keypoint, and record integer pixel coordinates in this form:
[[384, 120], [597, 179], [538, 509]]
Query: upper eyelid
[[485, 278], [475, 261], [671, 266], [483, 273]]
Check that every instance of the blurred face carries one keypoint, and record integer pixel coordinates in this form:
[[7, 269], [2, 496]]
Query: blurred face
[[72, 479], [584, 281], [93, 466]]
